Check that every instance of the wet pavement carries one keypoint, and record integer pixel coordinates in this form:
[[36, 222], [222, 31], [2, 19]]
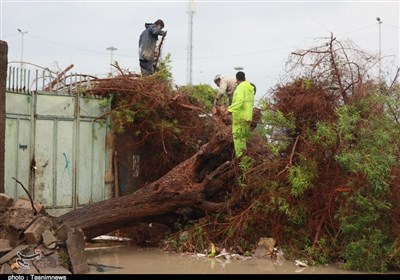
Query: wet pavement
[[132, 260]]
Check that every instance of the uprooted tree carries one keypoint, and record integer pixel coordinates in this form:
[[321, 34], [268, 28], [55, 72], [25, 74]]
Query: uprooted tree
[[167, 124], [191, 183], [322, 176]]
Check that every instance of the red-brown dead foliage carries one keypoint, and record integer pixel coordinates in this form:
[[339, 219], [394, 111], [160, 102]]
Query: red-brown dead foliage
[[308, 101], [156, 121]]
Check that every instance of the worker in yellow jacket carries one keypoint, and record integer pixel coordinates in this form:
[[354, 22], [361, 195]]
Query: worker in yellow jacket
[[242, 112]]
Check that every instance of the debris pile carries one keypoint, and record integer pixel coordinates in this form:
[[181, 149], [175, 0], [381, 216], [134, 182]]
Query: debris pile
[[32, 242], [150, 116]]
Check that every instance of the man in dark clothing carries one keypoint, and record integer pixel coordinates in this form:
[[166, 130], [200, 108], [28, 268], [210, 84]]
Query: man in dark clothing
[[147, 46]]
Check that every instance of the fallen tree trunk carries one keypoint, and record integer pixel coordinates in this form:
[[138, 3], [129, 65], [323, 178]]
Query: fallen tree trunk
[[190, 184]]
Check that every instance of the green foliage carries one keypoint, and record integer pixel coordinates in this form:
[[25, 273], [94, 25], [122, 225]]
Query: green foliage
[[201, 94], [322, 186], [367, 149], [165, 68], [105, 102], [301, 177], [366, 245], [245, 163], [170, 125], [325, 135], [324, 210], [392, 100], [64, 258], [190, 238], [372, 211], [348, 117], [277, 128], [198, 237], [129, 114], [306, 84], [363, 140], [319, 253], [282, 204]]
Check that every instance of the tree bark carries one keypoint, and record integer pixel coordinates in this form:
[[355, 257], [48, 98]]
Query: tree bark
[[192, 184]]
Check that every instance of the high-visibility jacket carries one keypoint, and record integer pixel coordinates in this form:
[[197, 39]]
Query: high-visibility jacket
[[242, 102], [242, 114]]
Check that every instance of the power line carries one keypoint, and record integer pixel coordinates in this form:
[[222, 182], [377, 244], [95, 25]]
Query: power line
[[77, 48], [358, 29], [10, 35], [394, 26], [276, 49], [196, 58], [67, 46]]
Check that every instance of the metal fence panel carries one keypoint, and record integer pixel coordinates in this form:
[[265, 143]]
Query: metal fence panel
[[55, 106], [17, 156], [64, 164], [57, 139], [18, 104], [99, 165], [44, 157], [92, 107], [84, 165]]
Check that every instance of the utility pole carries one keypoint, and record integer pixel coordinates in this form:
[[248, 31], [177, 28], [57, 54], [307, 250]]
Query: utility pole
[[22, 46], [380, 58], [190, 11], [111, 49]]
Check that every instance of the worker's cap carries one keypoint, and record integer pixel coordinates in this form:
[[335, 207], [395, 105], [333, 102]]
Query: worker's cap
[[217, 77]]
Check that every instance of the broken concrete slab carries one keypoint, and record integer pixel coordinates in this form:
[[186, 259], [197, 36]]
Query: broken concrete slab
[[5, 201], [13, 253], [33, 233], [20, 219], [6, 269], [45, 251], [51, 265], [31, 270], [47, 261], [35, 237], [48, 239], [76, 251], [62, 232], [5, 246], [26, 204]]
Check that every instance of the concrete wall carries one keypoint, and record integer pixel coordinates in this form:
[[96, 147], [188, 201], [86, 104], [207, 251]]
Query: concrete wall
[[3, 78]]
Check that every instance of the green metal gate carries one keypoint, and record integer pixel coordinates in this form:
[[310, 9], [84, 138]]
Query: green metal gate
[[55, 142]]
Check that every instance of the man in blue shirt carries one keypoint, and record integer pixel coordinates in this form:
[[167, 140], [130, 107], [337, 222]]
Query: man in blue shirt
[[147, 46]]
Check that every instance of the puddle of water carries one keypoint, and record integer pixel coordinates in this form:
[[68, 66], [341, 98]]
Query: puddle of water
[[154, 261]]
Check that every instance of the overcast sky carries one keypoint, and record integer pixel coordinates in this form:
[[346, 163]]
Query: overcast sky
[[256, 35]]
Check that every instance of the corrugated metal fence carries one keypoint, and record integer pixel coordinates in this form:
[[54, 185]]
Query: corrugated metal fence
[[55, 140]]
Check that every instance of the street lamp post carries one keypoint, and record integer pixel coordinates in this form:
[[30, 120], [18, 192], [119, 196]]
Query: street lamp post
[[379, 22], [22, 46], [111, 49]]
